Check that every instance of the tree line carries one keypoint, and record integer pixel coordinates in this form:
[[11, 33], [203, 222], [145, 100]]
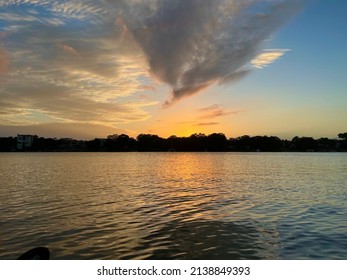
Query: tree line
[[215, 142]]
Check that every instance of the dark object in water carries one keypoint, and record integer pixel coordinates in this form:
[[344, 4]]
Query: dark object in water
[[39, 253]]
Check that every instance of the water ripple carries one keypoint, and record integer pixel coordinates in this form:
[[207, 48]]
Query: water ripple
[[174, 205]]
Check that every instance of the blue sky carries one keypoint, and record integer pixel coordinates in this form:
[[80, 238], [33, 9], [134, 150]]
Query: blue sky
[[88, 69]]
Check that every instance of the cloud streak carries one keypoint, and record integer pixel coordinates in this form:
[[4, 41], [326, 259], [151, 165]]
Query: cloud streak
[[267, 57], [206, 123], [192, 44], [216, 111]]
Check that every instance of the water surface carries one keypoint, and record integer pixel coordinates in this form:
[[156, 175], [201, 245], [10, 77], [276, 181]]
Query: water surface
[[174, 205]]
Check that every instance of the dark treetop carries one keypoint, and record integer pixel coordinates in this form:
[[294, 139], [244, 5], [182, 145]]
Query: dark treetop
[[215, 142]]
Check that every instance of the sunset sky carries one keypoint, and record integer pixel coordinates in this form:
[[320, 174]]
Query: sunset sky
[[87, 69]]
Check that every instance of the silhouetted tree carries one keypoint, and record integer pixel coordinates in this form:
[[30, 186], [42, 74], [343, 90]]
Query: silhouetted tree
[[197, 142], [173, 143], [216, 142], [343, 142], [267, 144], [326, 145], [45, 144], [257, 143], [343, 136], [242, 143], [96, 145], [8, 144], [120, 143], [150, 142], [304, 144]]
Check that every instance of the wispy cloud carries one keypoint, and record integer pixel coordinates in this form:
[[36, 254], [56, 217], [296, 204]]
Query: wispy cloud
[[206, 123], [209, 116], [78, 9], [267, 57], [68, 49], [72, 9], [216, 111], [68, 73]]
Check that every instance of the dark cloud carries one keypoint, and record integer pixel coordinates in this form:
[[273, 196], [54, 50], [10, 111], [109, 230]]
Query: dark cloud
[[191, 44], [178, 94]]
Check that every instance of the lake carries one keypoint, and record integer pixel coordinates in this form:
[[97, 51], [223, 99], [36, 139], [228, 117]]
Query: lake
[[174, 205]]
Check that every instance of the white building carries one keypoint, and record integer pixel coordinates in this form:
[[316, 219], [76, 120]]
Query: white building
[[24, 141]]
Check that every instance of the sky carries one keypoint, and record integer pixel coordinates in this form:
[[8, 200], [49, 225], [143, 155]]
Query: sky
[[88, 69]]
